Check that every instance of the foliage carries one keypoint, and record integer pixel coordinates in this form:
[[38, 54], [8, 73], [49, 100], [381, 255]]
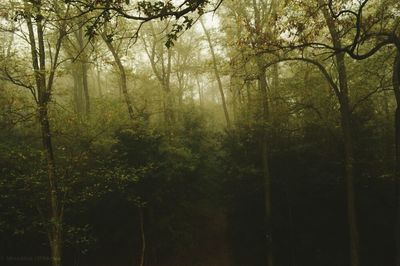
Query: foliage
[[169, 180]]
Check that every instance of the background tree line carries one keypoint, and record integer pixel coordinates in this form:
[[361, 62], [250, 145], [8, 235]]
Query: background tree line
[[200, 132]]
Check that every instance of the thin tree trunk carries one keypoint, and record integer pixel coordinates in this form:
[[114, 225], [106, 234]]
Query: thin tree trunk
[[274, 94], [84, 70], [44, 93], [99, 80], [215, 66], [235, 98], [265, 164], [163, 75], [396, 88], [85, 87], [249, 109], [349, 160], [200, 91], [170, 100], [123, 84], [55, 234], [142, 237], [291, 222], [122, 74], [350, 191], [347, 138], [262, 79], [181, 86], [77, 90]]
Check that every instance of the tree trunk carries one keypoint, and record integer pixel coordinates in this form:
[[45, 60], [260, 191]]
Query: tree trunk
[[168, 106], [274, 105], [396, 88], [98, 79], [397, 178], [235, 99], [122, 74], [163, 74], [55, 214], [77, 90], [349, 160], [142, 237], [265, 164], [85, 87], [44, 93], [170, 99], [249, 105], [84, 69], [350, 191], [200, 91], [347, 137], [220, 87]]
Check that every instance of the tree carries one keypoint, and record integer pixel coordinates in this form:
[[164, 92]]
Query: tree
[[76, 48], [220, 87], [160, 58], [256, 22], [35, 15], [108, 39], [370, 31]]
